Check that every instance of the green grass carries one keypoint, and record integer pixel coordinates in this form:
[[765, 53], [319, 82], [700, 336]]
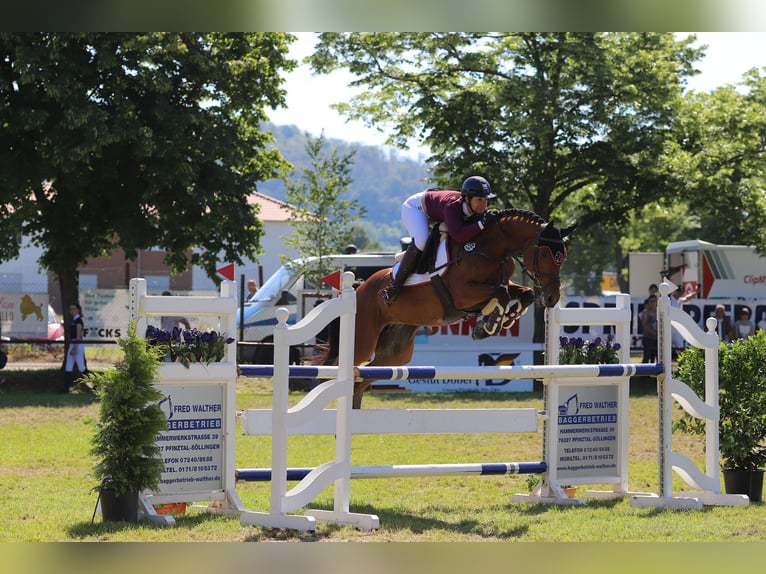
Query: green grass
[[46, 488]]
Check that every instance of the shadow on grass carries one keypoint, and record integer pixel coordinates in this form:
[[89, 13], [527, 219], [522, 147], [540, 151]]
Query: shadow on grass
[[46, 399], [397, 522]]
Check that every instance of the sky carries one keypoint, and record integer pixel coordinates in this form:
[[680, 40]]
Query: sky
[[310, 96]]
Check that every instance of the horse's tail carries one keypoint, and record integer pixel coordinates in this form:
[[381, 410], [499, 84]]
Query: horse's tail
[[327, 352]]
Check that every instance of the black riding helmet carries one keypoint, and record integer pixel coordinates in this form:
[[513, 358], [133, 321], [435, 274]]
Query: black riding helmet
[[476, 186]]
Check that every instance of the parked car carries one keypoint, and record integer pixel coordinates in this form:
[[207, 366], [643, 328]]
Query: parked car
[[55, 326]]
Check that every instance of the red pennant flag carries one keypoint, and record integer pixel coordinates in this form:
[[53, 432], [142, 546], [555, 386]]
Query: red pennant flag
[[333, 280], [227, 271]]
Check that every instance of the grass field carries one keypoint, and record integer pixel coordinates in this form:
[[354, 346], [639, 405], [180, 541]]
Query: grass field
[[46, 489]]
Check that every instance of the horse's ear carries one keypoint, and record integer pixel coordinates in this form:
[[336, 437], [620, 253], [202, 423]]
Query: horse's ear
[[566, 231]]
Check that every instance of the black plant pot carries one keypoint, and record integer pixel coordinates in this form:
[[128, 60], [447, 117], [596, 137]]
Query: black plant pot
[[748, 482], [119, 508]]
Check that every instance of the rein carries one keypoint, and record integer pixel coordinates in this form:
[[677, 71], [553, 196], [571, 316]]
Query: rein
[[534, 276]]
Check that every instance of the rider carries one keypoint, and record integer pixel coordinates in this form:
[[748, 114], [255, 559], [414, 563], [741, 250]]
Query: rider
[[464, 213]]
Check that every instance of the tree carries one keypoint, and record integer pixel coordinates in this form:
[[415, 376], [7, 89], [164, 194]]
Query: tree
[[570, 125], [139, 140], [718, 161], [324, 220]]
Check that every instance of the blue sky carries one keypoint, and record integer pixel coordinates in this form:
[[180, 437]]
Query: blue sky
[[309, 97]]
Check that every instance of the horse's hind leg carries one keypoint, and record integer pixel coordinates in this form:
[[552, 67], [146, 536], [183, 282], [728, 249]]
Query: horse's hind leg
[[395, 347]]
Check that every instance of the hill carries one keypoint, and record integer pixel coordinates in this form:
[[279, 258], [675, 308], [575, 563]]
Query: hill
[[382, 179]]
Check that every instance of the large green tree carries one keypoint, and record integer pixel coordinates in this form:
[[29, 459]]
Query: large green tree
[[136, 140], [718, 161], [547, 117]]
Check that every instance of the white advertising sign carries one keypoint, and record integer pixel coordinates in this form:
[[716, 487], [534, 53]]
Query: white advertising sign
[[24, 314], [192, 447], [453, 345], [587, 431]]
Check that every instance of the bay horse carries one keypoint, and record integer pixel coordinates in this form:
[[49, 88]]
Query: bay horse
[[478, 281]]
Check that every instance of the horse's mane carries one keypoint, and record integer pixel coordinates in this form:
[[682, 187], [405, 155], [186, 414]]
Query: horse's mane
[[522, 214]]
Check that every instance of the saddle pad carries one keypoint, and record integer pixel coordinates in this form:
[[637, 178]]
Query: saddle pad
[[420, 278]]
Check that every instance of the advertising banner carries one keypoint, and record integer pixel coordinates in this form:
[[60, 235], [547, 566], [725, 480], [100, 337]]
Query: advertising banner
[[24, 315]]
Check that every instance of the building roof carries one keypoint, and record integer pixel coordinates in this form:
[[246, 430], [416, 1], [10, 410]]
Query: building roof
[[271, 209]]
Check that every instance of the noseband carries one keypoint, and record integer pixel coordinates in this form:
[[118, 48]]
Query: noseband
[[533, 271]]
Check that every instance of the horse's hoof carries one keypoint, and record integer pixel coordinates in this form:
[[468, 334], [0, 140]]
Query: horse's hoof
[[479, 332]]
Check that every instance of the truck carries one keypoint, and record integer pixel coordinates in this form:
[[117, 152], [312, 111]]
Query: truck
[[730, 275], [287, 288], [450, 345], [712, 271], [717, 271]]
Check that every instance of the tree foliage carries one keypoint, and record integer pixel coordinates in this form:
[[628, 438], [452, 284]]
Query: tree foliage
[[323, 218], [142, 139], [585, 126], [544, 116], [718, 161]]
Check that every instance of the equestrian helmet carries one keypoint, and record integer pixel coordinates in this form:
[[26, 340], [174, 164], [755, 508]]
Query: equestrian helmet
[[476, 186]]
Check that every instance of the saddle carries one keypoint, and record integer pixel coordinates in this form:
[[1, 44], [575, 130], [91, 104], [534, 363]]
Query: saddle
[[432, 264]]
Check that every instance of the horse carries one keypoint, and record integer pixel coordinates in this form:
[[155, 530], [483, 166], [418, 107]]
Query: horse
[[477, 283]]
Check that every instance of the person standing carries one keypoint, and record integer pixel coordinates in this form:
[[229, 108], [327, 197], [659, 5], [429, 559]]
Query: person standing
[[723, 326], [678, 299], [649, 330], [169, 322], [744, 327], [75, 356], [252, 287], [464, 213], [761, 326]]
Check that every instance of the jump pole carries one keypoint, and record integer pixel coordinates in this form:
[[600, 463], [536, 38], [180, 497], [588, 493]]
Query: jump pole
[[408, 470], [449, 372]]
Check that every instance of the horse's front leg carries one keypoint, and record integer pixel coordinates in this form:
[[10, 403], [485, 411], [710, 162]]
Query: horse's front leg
[[525, 297], [503, 310], [492, 314]]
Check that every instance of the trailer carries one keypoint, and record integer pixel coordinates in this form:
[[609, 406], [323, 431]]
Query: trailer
[[717, 271]]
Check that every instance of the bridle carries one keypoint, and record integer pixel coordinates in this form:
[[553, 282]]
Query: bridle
[[533, 271]]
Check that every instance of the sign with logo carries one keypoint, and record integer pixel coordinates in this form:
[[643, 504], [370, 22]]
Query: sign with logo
[[452, 345], [192, 447], [587, 431], [24, 315]]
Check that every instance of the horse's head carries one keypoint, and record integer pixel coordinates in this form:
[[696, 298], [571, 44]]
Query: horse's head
[[543, 260]]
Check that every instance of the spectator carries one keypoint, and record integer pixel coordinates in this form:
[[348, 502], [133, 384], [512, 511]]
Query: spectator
[[762, 323], [76, 351], [743, 328], [649, 327], [167, 323], [723, 328], [252, 287], [678, 299]]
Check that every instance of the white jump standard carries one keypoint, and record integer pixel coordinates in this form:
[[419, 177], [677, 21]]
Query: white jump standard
[[568, 389]]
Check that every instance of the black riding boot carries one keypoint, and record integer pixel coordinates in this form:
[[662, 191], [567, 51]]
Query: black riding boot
[[406, 267], [68, 382]]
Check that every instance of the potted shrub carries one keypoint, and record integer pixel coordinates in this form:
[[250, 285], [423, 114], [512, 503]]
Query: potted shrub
[[128, 458], [742, 405]]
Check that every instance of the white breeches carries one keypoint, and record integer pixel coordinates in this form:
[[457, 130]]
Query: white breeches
[[416, 220], [75, 356]]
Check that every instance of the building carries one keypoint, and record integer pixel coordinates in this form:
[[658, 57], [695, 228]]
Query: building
[[115, 271]]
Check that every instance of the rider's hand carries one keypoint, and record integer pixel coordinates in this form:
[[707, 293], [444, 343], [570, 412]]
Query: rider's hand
[[489, 217]]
